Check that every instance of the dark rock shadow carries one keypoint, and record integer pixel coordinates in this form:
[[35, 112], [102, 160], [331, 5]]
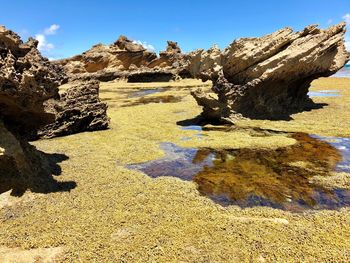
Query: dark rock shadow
[[286, 116], [46, 183], [41, 180], [200, 120]]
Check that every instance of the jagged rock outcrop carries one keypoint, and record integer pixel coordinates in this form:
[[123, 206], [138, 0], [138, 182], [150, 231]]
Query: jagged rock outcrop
[[126, 59], [205, 64], [170, 58], [123, 54], [26, 81], [78, 109], [269, 77]]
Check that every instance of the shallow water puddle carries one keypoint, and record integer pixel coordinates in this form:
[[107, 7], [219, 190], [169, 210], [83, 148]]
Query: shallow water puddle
[[343, 146], [324, 93], [343, 73], [158, 99], [260, 177], [145, 92], [192, 128]]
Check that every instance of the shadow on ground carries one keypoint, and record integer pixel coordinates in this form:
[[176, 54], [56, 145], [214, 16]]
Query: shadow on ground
[[41, 178]]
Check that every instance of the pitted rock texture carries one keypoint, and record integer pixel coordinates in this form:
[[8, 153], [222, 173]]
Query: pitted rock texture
[[15, 164], [78, 109], [123, 54], [125, 58], [26, 81], [205, 64], [269, 77]]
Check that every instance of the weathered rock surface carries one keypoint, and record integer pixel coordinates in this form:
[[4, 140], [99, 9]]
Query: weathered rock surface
[[122, 55], [27, 80], [269, 77], [126, 58], [172, 57], [15, 165], [205, 64], [78, 109]]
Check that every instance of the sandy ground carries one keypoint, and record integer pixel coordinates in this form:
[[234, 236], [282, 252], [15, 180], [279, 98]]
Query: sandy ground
[[119, 215]]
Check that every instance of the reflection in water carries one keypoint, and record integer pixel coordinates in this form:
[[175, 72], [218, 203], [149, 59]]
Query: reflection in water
[[249, 177], [324, 93], [192, 128], [343, 73], [158, 99], [145, 92]]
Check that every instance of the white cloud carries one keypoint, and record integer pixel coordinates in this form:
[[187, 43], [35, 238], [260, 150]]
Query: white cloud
[[44, 45], [51, 30], [147, 46], [347, 43], [330, 21], [346, 17]]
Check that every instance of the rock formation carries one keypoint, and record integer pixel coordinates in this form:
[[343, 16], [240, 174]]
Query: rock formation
[[205, 64], [26, 81], [78, 109], [121, 55], [30, 104], [126, 59], [268, 77]]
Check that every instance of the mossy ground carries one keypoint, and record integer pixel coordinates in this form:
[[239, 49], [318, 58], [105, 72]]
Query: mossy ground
[[120, 215], [332, 120]]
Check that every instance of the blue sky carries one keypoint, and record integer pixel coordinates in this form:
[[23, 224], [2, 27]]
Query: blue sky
[[66, 28]]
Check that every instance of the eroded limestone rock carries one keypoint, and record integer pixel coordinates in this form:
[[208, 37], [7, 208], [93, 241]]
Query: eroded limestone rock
[[205, 64], [27, 80], [119, 56], [126, 59], [78, 109], [269, 77]]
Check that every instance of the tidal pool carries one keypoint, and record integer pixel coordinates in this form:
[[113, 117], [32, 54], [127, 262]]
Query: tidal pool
[[343, 73], [145, 92], [324, 93], [158, 99], [247, 177]]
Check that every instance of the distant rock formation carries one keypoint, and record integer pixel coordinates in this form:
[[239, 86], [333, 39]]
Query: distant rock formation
[[126, 58], [205, 64], [268, 77], [121, 55], [78, 109]]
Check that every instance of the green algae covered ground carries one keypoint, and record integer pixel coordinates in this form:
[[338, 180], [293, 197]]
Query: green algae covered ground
[[115, 214]]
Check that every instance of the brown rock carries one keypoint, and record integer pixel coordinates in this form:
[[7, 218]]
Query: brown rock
[[205, 64], [26, 81], [78, 109], [119, 56], [125, 59], [269, 77]]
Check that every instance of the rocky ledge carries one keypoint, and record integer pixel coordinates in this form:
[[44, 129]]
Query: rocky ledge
[[268, 77], [28, 94], [126, 59], [78, 109]]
